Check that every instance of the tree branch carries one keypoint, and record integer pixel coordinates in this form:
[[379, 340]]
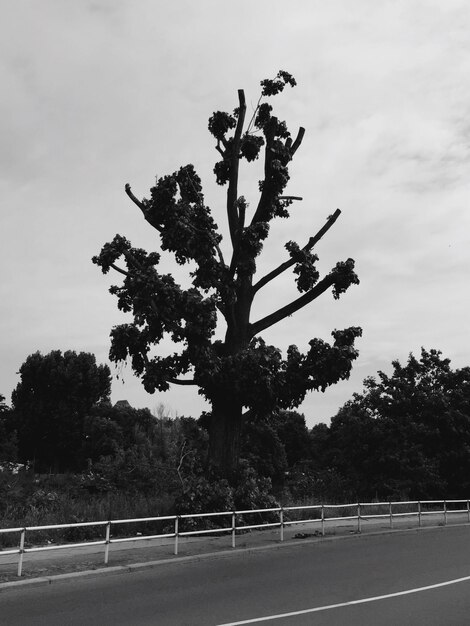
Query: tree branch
[[232, 192], [132, 260], [298, 141], [118, 269], [142, 207], [311, 242], [178, 381], [254, 114], [182, 457], [174, 381], [266, 194], [294, 306], [220, 255], [241, 219], [134, 199]]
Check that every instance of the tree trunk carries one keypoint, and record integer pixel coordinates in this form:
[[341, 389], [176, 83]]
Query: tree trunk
[[226, 421], [225, 434]]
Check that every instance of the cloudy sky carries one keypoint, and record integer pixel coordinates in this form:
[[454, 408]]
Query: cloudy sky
[[98, 93]]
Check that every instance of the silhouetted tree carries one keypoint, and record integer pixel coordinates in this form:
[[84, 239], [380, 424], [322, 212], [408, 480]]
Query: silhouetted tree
[[294, 435], [408, 434], [241, 372], [262, 448], [50, 403]]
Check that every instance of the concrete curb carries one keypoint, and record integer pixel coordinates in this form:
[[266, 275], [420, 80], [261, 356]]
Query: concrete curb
[[221, 554]]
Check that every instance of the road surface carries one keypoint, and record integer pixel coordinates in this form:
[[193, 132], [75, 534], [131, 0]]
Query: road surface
[[315, 583]]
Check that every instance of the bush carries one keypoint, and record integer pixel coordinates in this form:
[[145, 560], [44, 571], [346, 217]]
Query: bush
[[306, 486], [254, 492], [210, 495], [202, 495]]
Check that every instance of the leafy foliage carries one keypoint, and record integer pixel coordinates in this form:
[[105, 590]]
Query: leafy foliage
[[211, 493], [152, 456], [50, 404], [408, 434], [273, 87], [307, 274]]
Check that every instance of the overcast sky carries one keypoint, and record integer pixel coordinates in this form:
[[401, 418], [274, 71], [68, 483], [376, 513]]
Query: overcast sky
[[99, 93]]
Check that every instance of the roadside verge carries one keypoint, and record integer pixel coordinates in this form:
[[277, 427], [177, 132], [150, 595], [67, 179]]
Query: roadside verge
[[45, 568]]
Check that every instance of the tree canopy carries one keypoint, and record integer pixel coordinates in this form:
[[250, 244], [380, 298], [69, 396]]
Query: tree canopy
[[240, 373], [50, 403], [407, 434]]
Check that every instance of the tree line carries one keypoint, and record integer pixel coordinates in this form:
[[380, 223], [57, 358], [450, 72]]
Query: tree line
[[407, 435]]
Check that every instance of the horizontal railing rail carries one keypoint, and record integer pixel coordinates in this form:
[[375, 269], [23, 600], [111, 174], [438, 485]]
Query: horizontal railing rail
[[356, 511]]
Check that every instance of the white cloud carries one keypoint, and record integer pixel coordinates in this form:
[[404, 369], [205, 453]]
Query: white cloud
[[101, 93]]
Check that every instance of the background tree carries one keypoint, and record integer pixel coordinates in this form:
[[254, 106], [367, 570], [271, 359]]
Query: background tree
[[8, 438], [241, 372], [408, 434], [132, 450], [50, 404], [262, 447], [293, 432], [275, 445]]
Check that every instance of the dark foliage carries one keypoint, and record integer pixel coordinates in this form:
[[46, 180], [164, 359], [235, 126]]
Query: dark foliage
[[51, 402], [407, 435], [8, 436]]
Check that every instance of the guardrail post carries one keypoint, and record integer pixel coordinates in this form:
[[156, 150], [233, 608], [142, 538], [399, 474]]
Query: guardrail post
[[234, 528], [468, 510], [358, 517], [106, 545], [281, 521], [391, 513], [322, 520], [445, 513], [176, 533], [21, 552], [419, 513]]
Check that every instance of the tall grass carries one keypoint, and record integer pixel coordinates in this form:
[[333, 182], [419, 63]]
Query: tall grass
[[31, 500], [39, 501]]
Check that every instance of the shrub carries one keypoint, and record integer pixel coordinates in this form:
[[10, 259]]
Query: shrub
[[202, 495]]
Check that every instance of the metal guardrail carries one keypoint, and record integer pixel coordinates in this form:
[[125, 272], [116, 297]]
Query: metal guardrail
[[321, 517]]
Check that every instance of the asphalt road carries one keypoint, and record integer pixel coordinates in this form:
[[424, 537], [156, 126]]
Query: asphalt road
[[245, 587]]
